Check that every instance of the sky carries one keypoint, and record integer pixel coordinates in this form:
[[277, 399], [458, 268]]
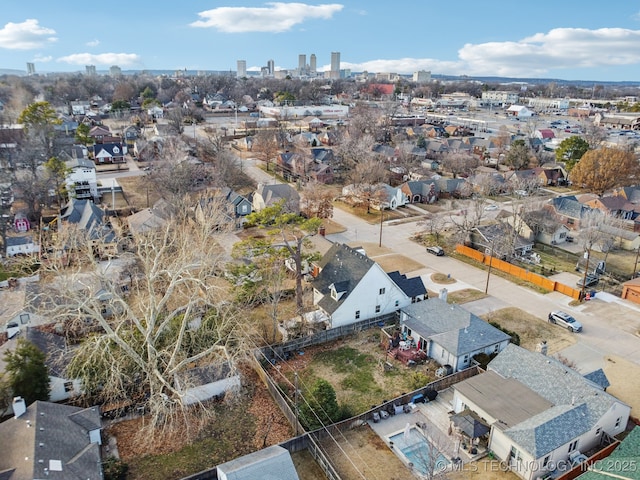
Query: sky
[[561, 39]]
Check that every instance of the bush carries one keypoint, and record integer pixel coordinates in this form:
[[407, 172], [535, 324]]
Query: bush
[[515, 338], [418, 380], [114, 469], [483, 359]]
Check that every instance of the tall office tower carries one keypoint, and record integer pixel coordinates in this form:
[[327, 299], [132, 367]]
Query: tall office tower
[[242, 69], [302, 62], [335, 65], [312, 63], [31, 68], [271, 67], [115, 71], [91, 70]]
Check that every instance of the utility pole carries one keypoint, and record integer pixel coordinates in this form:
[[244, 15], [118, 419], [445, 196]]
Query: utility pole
[[587, 254], [486, 288], [635, 266], [381, 217]]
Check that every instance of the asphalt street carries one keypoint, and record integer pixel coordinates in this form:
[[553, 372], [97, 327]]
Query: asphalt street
[[609, 322]]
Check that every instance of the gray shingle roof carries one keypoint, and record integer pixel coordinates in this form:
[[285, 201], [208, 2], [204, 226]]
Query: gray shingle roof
[[272, 463], [89, 217], [560, 385], [551, 429], [342, 266], [451, 326], [569, 206], [49, 432]]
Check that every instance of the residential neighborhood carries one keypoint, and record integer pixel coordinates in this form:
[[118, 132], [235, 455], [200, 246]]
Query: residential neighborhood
[[300, 277]]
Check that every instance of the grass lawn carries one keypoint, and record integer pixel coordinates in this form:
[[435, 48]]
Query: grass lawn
[[354, 367]]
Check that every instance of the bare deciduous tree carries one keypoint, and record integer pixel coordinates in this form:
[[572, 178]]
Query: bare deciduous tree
[[265, 145], [173, 317], [316, 201], [458, 162]]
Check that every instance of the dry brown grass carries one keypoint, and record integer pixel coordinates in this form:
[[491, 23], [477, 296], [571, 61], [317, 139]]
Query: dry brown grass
[[465, 295], [620, 373], [136, 189], [365, 456], [442, 278], [532, 330], [387, 259]]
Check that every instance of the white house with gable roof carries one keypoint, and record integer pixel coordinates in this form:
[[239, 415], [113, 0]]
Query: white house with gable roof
[[349, 287]]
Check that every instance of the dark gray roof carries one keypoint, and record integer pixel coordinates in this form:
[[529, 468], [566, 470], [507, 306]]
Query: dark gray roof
[[89, 217], [54, 347], [343, 267], [451, 326], [569, 206], [271, 463], [599, 378], [412, 287], [47, 433], [15, 241], [198, 376]]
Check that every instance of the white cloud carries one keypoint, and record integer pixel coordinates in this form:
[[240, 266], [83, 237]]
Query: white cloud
[[275, 17], [539, 55], [93, 43], [120, 59], [42, 59], [400, 65], [26, 35], [558, 49]]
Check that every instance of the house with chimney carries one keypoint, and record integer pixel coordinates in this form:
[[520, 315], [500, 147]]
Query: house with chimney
[[52, 441]]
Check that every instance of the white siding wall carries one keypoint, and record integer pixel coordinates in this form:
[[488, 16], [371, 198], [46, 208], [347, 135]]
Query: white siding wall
[[80, 174], [57, 391], [205, 392], [532, 468], [366, 296]]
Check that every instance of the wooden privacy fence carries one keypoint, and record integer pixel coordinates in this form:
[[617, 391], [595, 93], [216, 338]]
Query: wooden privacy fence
[[518, 272]]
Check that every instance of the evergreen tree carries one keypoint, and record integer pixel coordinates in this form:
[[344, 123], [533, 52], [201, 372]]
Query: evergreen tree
[[27, 372]]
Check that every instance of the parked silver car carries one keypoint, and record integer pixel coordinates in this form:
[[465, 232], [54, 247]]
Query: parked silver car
[[565, 320]]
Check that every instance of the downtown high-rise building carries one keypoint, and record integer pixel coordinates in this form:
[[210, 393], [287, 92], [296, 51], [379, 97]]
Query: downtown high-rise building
[[312, 63], [90, 70], [302, 62], [271, 67], [241, 71], [31, 68], [335, 66], [115, 71]]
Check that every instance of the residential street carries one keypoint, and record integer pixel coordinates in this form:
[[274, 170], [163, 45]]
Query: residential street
[[609, 322]]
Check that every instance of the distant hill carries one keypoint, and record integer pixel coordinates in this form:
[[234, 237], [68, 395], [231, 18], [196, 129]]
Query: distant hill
[[9, 71]]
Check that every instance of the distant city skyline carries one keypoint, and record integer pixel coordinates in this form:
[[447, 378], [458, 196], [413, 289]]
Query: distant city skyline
[[524, 39]]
